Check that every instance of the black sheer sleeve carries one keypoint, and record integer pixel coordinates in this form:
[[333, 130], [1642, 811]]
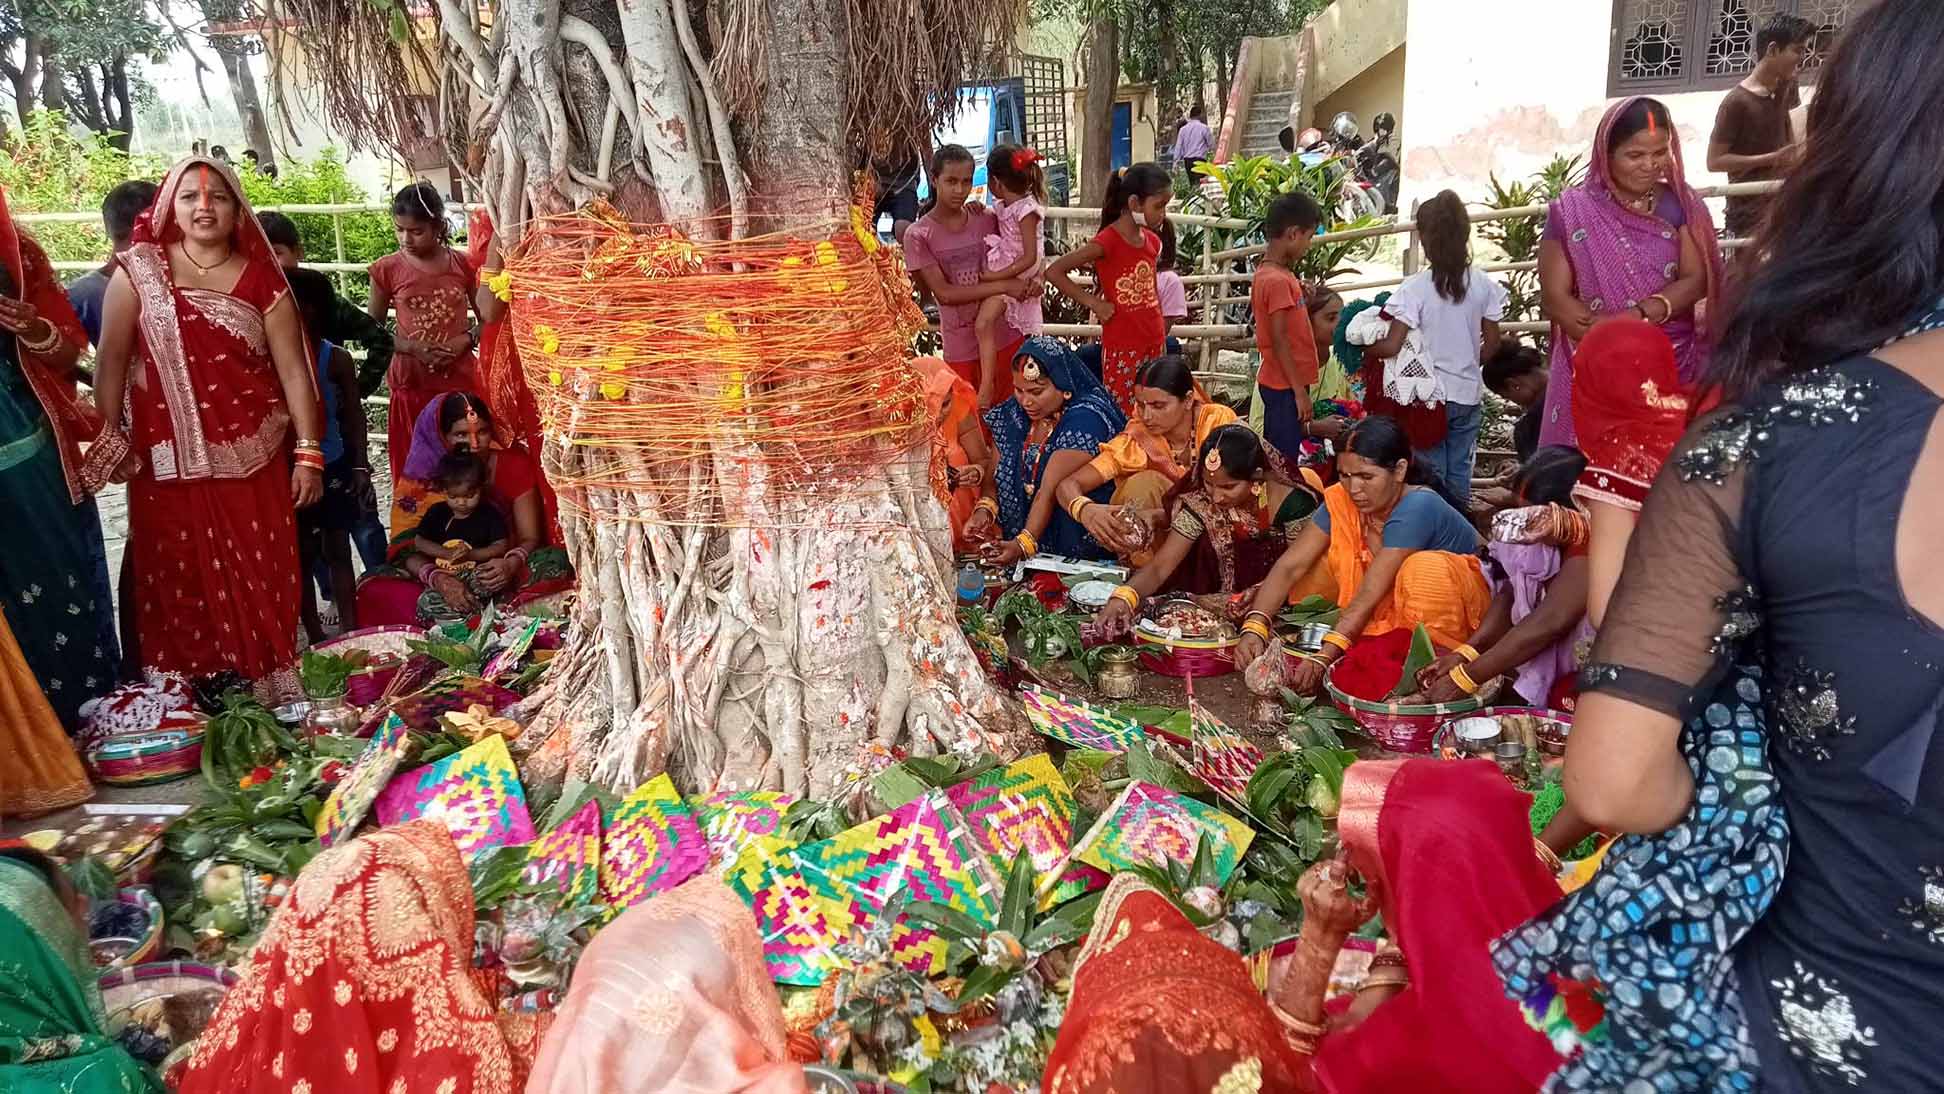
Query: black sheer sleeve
[[1682, 602]]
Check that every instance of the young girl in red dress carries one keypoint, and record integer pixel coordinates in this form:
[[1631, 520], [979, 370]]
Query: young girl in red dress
[[432, 286], [1124, 254]]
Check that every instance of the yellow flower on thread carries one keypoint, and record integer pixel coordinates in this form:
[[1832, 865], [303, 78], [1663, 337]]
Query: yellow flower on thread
[[836, 285], [719, 326], [861, 225], [501, 284], [826, 253], [548, 338], [614, 390], [555, 378], [620, 359], [791, 261]]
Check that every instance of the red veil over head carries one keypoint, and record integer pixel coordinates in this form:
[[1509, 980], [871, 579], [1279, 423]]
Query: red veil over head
[[1449, 848], [1629, 406], [33, 281]]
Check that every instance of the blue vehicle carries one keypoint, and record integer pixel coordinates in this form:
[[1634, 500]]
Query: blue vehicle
[[1028, 107]]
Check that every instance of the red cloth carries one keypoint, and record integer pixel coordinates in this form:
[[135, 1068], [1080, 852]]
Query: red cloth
[[506, 390], [1425, 426], [362, 983], [1002, 385], [432, 306], [1629, 409], [1276, 299], [1372, 668], [210, 519], [1158, 1008], [1137, 331], [1449, 848], [33, 281]]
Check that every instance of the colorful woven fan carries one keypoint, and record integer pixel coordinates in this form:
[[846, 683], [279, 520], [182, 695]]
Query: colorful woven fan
[[351, 799], [733, 821], [1025, 807], [919, 850], [800, 922], [651, 845], [569, 856], [1078, 723], [474, 792], [1149, 824], [1222, 758]]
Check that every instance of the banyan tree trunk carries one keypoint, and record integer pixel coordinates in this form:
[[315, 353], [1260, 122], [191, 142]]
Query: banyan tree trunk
[[736, 625]]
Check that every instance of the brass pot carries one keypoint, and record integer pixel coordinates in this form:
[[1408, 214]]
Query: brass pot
[[1118, 679]]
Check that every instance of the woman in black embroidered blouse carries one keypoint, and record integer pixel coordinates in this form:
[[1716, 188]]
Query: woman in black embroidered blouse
[[1783, 515]]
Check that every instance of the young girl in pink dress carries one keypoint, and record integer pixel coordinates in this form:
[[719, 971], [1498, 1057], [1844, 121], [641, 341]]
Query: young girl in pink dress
[[1015, 252]]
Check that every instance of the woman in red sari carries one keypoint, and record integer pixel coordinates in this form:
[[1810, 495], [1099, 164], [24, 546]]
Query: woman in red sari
[[202, 353]]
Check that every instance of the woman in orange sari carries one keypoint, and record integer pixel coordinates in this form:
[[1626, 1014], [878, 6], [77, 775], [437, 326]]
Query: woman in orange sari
[[960, 457], [1401, 553], [362, 984], [1172, 420], [202, 346]]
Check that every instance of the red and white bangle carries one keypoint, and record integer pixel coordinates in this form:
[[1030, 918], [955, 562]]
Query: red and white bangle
[[305, 458], [518, 555]]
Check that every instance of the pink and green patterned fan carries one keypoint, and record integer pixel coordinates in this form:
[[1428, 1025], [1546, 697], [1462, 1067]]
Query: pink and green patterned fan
[[732, 821], [1222, 757], [569, 856], [799, 917], [918, 849], [652, 845], [1024, 807], [474, 792], [1149, 824], [353, 796], [1079, 723]]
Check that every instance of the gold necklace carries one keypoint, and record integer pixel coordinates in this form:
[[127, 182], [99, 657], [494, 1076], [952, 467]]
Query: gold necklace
[[1645, 202]]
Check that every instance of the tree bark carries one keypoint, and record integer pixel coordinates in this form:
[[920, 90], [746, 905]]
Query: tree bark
[[53, 90], [249, 106], [118, 103], [1097, 122]]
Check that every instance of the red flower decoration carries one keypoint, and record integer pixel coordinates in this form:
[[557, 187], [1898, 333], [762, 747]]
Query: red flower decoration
[[332, 773], [1050, 590], [1584, 1004]]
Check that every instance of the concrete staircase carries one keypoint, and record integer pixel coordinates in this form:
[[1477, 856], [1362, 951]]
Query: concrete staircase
[[1268, 113]]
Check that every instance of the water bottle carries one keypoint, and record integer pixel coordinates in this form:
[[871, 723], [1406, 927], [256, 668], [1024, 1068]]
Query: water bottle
[[971, 586]]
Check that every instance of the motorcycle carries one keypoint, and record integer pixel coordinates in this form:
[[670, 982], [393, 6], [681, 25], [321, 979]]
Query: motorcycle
[[1357, 198], [1377, 167]]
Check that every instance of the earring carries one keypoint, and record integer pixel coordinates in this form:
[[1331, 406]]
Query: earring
[[1261, 493]]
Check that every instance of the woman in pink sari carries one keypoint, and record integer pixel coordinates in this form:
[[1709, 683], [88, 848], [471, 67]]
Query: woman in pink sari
[[672, 997], [1632, 241], [201, 347]]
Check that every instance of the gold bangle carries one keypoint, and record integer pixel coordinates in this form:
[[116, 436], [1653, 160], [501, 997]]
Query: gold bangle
[[1258, 613], [45, 345], [1336, 638], [989, 504], [1547, 855], [1078, 506], [1293, 1024], [1258, 628], [1463, 679], [1465, 651], [1027, 543], [305, 445], [1667, 309], [1128, 595]]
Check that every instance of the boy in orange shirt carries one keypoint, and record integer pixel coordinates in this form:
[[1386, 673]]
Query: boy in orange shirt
[[1289, 365]]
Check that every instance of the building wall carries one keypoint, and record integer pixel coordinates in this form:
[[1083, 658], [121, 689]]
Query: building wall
[[1378, 89], [1502, 87], [1353, 36]]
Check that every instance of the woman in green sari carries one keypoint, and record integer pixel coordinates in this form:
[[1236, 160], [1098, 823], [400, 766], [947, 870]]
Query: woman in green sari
[[51, 1039]]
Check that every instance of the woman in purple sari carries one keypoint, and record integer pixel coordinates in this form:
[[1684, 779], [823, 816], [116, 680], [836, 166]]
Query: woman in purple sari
[[1633, 240]]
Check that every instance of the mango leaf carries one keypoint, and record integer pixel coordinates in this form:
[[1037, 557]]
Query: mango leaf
[[496, 875], [947, 920], [1420, 658], [1067, 923], [1016, 911], [982, 981], [92, 878], [1144, 766]]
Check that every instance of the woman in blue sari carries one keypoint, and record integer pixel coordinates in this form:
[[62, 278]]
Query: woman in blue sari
[[54, 572], [1054, 423]]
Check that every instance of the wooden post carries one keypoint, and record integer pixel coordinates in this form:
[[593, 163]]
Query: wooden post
[[1211, 292], [337, 231], [1411, 243]]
